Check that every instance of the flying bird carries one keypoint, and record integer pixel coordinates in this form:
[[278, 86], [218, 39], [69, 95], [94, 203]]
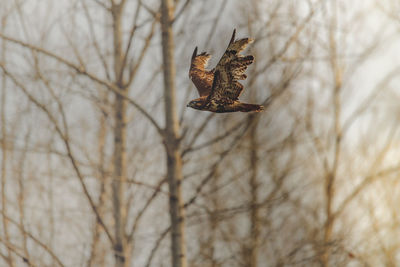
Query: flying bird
[[219, 88]]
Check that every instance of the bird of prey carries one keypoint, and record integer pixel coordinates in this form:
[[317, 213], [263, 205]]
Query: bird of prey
[[219, 88]]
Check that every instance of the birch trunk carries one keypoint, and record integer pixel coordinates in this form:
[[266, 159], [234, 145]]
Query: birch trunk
[[4, 155], [254, 211], [171, 139], [119, 172]]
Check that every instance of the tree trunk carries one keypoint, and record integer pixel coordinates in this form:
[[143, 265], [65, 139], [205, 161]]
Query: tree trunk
[[119, 172], [329, 191], [330, 177], [254, 211], [171, 139], [3, 148]]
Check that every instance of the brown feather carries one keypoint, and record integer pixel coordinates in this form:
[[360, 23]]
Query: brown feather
[[244, 107], [201, 78], [233, 37], [231, 68], [194, 53], [203, 81], [220, 88]]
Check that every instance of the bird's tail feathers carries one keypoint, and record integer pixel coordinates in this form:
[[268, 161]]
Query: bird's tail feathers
[[244, 107]]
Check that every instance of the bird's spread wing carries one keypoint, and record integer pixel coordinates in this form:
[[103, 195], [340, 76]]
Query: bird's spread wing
[[229, 70], [199, 61], [201, 78]]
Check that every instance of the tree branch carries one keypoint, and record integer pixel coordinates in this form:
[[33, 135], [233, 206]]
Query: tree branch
[[65, 140], [92, 77]]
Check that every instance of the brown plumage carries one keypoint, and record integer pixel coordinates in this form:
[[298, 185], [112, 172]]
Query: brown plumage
[[219, 88]]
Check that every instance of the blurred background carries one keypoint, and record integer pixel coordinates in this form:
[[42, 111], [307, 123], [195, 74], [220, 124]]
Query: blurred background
[[84, 175]]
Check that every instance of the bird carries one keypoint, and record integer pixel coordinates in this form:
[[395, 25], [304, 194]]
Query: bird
[[219, 88]]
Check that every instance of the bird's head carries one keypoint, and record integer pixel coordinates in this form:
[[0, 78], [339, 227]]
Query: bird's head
[[196, 104]]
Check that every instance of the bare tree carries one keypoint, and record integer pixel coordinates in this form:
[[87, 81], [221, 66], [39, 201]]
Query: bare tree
[[4, 156], [308, 182], [119, 172], [172, 139]]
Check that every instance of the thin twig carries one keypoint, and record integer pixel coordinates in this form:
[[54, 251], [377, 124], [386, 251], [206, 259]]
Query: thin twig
[[92, 77], [65, 140], [157, 245], [34, 239]]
